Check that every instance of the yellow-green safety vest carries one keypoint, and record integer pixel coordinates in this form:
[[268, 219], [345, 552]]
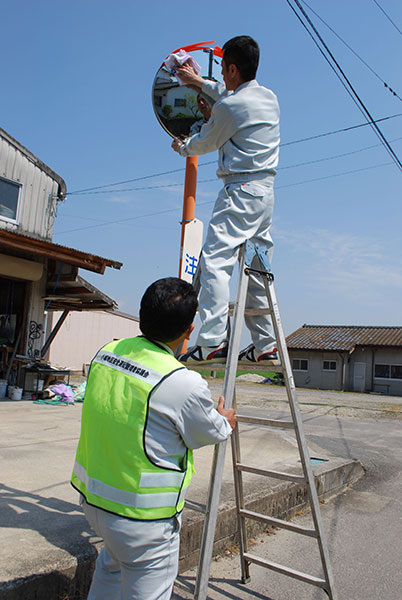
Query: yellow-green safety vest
[[112, 468]]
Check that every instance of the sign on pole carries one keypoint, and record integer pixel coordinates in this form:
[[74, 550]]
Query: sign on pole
[[191, 249]]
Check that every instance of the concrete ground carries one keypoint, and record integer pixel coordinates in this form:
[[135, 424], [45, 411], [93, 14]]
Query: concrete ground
[[47, 549], [363, 524]]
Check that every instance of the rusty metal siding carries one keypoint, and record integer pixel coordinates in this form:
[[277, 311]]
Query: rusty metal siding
[[38, 193], [343, 338]]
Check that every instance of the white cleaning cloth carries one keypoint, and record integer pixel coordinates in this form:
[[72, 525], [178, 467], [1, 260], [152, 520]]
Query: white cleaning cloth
[[181, 57]]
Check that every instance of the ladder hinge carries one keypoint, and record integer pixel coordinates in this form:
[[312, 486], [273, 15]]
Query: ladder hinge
[[260, 272]]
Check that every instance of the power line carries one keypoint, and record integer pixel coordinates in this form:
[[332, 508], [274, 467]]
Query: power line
[[170, 210], [312, 162], [388, 17], [149, 187], [314, 137], [180, 184], [99, 187], [323, 54], [353, 51], [343, 79], [306, 139], [331, 176], [107, 223]]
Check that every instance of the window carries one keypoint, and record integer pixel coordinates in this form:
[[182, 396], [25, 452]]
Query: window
[[299, 364], [329, 365], [180, 102], [381, 371], [158, 100], [9, 199], [396, 371], [388, 371]]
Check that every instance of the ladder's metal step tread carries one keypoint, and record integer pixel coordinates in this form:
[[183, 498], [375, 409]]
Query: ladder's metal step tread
[[251, 312], [266, 422], [278, 523], [269, 473], [262, 562], [196, 506], [243, 365], [266, 365]]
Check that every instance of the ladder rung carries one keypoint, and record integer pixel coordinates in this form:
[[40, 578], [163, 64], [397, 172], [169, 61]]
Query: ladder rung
[[196, 506], [268, 473], [266, 422], [251, 312], [261, 366], [278, 523], [209, 365], [286, 570]]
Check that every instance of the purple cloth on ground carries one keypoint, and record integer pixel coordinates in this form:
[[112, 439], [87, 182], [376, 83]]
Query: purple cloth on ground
[[64, 391]]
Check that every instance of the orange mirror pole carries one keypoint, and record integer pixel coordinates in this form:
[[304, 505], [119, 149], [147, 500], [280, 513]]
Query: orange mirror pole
[[190, 186]]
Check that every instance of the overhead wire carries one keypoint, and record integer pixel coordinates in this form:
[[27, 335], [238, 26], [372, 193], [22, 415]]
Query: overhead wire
[[312, 162], [286, 185], [348, 87], [388, 17], [171, 172], [388, 87], [170, 210], [335, 66], [180, 184], [344, 129]]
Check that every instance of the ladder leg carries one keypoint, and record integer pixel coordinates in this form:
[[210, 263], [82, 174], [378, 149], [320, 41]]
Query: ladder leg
[[208, 534], [301, 441], [201, 587], [239, 493]]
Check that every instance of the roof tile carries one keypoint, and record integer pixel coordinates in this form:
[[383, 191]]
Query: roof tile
[[343, 337]]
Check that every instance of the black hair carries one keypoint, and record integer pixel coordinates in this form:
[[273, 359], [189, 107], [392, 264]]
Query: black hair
[[167, 309], [243, 52]]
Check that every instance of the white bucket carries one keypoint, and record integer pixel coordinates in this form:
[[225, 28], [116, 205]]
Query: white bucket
[[3, 388], [14, 392]]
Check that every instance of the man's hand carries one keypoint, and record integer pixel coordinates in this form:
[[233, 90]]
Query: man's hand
[[229, 413], [176, 145], [189, 77]]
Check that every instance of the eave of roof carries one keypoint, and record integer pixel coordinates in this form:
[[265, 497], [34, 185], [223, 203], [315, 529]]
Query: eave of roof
[[76, 294], [37, 247]]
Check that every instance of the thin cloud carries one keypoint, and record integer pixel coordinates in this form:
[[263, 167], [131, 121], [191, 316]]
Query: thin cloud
[[345, 264]]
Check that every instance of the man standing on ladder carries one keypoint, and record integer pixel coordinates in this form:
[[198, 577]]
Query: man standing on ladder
[[244, 127]]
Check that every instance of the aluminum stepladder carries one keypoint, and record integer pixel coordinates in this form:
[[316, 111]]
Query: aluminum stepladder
[[248, 253]]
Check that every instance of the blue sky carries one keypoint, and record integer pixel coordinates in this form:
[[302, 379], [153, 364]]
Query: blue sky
[[77, 80]]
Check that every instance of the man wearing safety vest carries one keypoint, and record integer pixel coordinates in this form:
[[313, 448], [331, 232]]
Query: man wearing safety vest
[[143, 415]]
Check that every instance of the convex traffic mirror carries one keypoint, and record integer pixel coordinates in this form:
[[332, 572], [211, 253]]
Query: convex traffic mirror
[[179, 109]]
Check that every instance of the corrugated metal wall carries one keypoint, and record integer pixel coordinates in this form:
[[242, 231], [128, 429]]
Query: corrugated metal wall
[[38, 195]]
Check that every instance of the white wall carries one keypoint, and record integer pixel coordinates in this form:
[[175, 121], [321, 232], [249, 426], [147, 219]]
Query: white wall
[[83, 333]]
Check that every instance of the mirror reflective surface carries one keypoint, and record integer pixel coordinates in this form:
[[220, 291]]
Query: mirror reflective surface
[[180, 110]]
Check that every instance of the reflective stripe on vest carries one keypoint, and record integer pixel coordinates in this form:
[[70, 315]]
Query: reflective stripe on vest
[[143, 500], [128, 367], [112, 468]]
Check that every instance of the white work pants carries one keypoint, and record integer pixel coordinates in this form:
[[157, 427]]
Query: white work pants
[[243, 211], [139, 560]]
